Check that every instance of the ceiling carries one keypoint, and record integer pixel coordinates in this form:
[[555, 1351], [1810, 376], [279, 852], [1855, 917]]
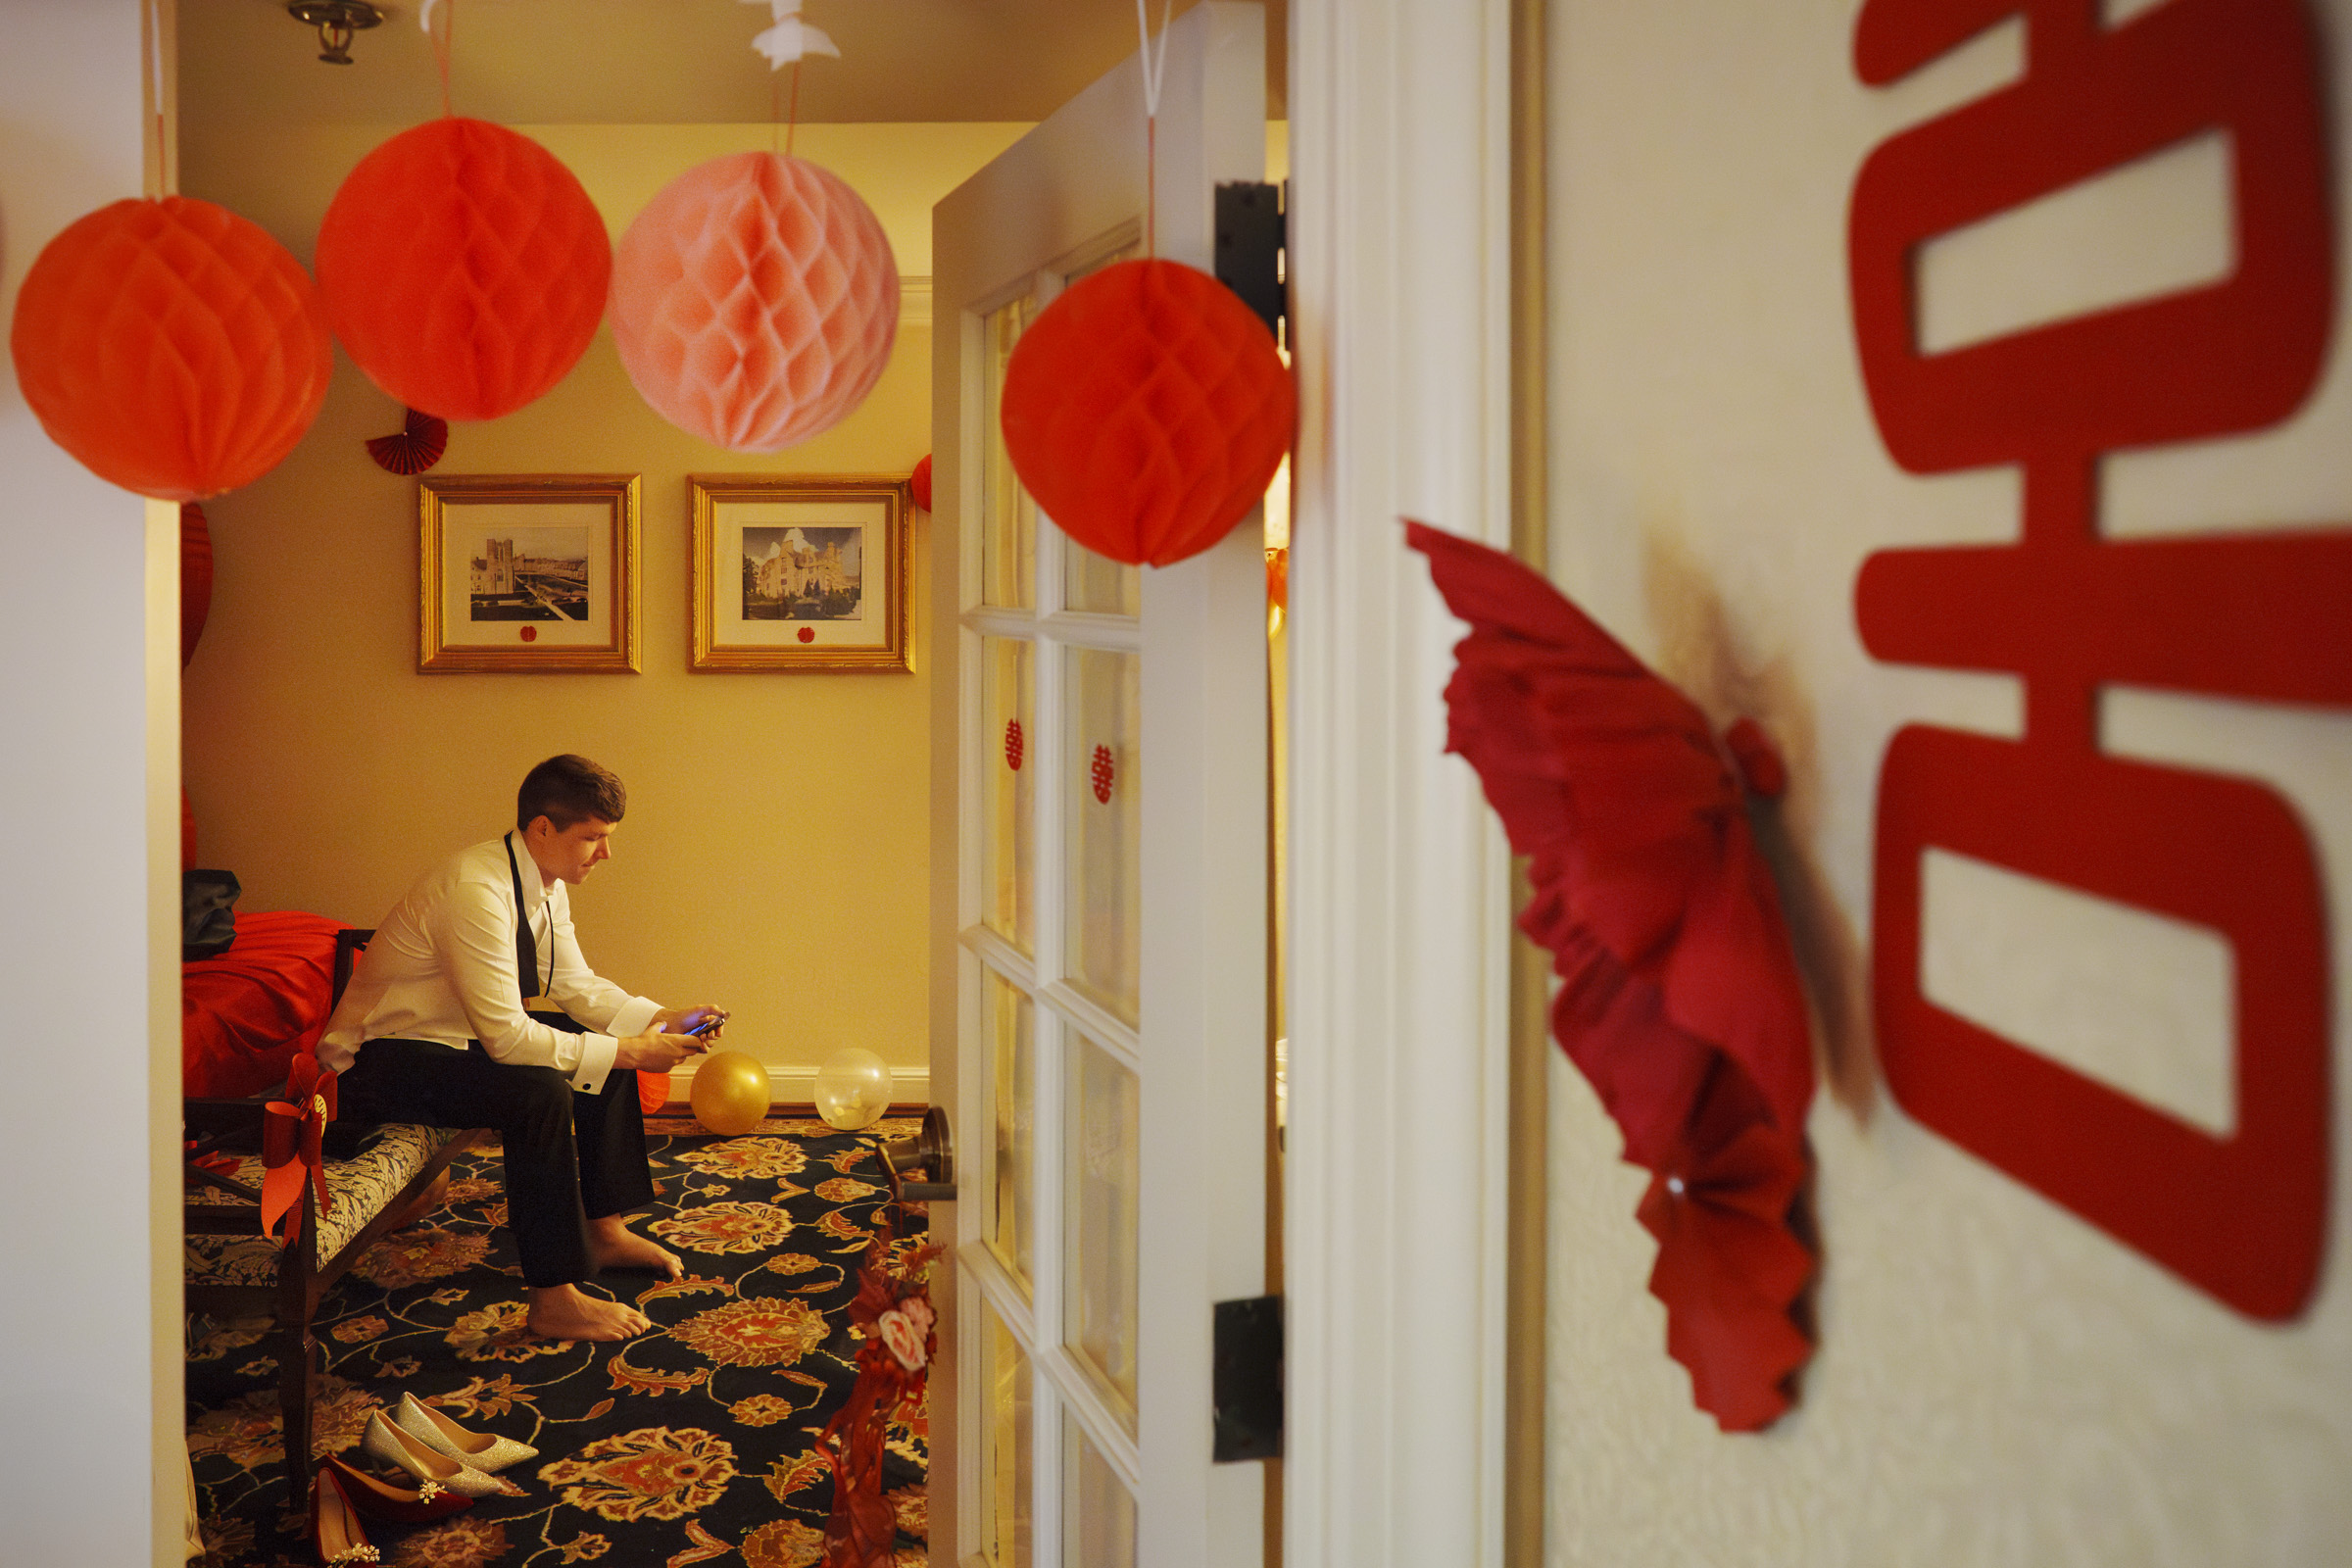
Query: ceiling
[[664, 61]]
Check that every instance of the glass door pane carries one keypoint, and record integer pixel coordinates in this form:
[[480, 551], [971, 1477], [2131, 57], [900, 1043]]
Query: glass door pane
[[1100, 1191], [1007, 516], [1098, 1528], [1009, 790], [1005, 1453], [1010, 1019], [1102, 856], [1101, 584]]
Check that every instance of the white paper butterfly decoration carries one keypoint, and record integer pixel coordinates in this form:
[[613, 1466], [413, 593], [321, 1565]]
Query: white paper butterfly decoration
[[791, 37]]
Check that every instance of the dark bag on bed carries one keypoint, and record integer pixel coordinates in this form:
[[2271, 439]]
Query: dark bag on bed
[[207, 917]]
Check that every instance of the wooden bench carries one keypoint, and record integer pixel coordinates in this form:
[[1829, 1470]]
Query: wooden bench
[[234, 1271]]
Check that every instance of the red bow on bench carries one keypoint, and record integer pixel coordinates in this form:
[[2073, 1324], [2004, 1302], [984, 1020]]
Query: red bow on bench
[[291, 1133]]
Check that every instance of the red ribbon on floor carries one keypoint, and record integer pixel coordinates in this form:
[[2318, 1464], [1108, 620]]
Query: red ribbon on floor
[[291, 1151]]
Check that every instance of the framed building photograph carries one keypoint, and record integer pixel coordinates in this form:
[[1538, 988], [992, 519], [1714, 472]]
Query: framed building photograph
[[528, 573], [794, 572]]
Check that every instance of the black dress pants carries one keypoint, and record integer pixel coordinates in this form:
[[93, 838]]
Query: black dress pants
[[569, 1157]]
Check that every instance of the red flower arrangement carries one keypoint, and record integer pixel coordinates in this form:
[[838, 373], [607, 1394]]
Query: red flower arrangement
[[893, 1310]]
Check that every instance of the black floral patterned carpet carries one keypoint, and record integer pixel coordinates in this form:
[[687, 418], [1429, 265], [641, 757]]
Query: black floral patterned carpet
[[687, 1445]]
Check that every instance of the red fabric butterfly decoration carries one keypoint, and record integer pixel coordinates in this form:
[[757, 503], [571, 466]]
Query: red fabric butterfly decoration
[[1680, 1000]]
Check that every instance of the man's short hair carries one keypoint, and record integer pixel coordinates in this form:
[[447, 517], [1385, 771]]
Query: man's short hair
[[569, 789]]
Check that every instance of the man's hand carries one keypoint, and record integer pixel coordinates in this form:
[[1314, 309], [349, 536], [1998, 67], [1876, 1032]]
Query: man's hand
[[686, 1020], [655, 1051]]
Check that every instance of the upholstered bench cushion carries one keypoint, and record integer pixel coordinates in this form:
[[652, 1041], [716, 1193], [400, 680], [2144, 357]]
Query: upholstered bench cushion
[[360, 1186]]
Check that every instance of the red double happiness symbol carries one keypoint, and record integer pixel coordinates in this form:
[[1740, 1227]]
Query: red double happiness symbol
[[1103, 772], [2071, 610], [1014, 742]]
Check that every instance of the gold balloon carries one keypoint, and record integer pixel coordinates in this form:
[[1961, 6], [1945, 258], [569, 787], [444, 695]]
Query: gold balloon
[[853, 1089], [730, 1093]]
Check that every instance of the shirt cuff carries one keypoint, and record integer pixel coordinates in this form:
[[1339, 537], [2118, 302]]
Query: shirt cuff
[[636, 1018], [597, 1052]]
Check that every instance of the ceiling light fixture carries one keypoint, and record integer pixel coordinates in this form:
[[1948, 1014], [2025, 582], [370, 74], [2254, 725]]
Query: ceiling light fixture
[[336, 21]]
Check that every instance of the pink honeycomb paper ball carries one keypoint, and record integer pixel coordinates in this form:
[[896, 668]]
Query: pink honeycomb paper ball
[[755, 301]]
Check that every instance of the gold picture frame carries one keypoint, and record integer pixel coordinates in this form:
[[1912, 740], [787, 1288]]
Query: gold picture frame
[[798, 573], [532, 574]]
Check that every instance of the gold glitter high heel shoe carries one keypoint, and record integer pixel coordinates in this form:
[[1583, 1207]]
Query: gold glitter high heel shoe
[[483, 1450], [388, 1443]]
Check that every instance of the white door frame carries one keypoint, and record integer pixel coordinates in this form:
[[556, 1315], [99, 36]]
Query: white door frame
[[1395, 1202]]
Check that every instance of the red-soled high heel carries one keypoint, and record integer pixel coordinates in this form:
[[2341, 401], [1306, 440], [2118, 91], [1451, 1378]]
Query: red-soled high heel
[[380, 1500], [334, 1527]]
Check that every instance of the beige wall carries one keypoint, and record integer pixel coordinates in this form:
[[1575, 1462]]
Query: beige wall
[[774, 857], [1997, 1383]]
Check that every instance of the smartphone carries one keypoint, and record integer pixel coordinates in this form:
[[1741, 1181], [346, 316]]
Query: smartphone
[[707, 1024]]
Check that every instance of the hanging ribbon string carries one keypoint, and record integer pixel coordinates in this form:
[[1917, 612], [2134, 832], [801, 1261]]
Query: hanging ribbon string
[[161, 183], [1154, 62], [791, 121], [440, 42]]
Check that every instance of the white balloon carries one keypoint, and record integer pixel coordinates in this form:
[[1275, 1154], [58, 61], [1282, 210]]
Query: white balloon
[[853, 1089]]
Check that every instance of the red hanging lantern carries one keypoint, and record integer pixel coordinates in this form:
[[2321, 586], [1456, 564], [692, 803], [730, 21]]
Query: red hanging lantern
[[172, 347], [464, 268], [1146, 409], [918, 483], [755, 301]]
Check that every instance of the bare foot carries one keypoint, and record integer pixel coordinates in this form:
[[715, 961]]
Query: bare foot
[[612, 1245], [568, 1312]]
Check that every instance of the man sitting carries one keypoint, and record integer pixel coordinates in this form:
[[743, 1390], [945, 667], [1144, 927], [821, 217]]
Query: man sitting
[[437, 1027]]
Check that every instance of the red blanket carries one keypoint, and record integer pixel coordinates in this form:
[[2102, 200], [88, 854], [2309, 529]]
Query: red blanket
[[246, 1015]]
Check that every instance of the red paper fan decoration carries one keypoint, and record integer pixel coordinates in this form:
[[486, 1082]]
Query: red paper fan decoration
[[1146, 409], [172, 347], [918, 483], [464, 268], [1680, 1000], [755, 301], [415, 446]]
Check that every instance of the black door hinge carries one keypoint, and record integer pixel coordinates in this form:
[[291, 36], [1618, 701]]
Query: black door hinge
[[1248, 1380], [1251, 232]]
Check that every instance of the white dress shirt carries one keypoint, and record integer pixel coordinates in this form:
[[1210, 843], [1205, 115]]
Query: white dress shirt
[[441, 968]]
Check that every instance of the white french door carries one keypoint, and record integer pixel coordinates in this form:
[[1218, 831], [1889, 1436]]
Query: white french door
[[1103, 1046]]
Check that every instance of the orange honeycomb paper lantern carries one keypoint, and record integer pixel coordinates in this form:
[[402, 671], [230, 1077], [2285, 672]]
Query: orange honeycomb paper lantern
[[1145, 411], [170, 346], [755, 301], [464, 268]]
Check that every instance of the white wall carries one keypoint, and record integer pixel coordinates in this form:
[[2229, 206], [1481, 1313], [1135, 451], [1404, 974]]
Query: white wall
[[90, 1360], [1997, 1382]]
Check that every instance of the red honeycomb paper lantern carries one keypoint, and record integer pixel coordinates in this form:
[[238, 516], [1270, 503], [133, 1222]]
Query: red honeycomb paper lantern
[[755, 301], [170, 346], [464, 268], [1147, 411]]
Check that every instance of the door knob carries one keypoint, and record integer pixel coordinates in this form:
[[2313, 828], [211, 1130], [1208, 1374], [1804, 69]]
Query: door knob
[[929, 1154]]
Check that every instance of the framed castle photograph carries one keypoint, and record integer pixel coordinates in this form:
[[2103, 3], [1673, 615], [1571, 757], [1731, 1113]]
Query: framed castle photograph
[[528, 573], [799, 572]]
